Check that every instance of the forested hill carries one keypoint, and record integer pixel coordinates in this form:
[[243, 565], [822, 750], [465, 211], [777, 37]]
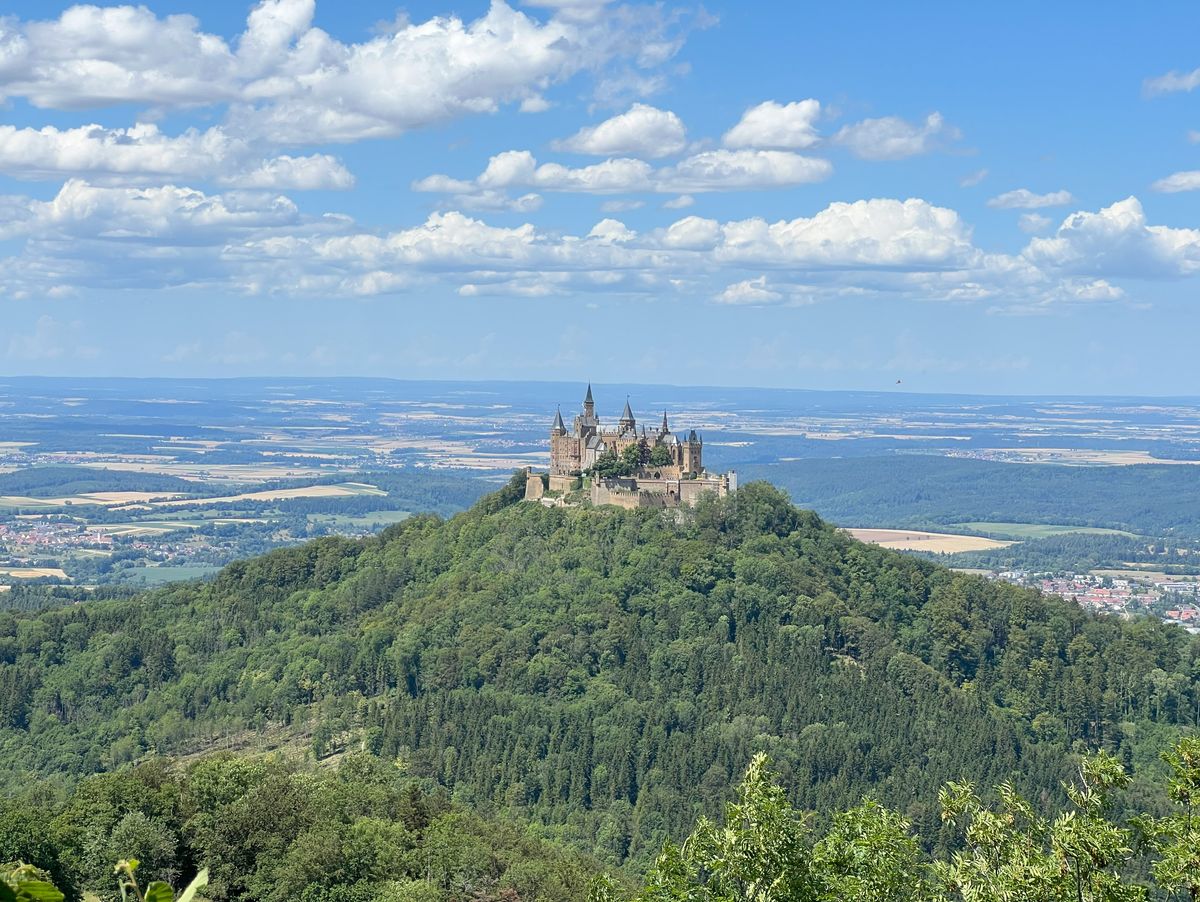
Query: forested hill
[[606, 673]]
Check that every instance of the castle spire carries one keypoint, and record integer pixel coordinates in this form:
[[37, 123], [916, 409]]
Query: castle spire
[[589, 406], [665, 429], [627, 413], [558, 428]]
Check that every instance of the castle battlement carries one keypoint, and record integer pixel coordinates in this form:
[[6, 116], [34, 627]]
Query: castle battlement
[[628, 466]]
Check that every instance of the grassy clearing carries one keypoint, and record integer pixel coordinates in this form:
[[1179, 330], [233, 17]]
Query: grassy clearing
[[917, 540], [157, 576], [1038, 530]]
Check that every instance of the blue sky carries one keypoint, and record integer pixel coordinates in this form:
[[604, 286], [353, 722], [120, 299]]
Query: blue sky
[[964, 197]]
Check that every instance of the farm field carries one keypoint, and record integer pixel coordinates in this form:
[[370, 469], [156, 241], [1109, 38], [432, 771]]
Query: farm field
[[104, 499], [342, 490], [1077, 457], [158, 527], [918, 540], [199, 471], [1037, 530], [32, 573], [1144, 574]]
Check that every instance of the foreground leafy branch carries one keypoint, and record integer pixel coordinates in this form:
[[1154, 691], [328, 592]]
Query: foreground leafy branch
[[1009, 852], [762, 849], [157, 890]]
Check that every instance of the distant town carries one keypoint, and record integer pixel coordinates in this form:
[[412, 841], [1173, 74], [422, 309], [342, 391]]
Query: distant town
[[1174, 600]]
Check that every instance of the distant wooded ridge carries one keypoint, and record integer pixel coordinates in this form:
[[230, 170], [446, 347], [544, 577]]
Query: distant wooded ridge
[[930, 491]]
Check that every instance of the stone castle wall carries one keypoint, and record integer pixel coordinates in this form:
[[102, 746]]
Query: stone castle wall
[[534, 487], [563, 483], [635, 492]]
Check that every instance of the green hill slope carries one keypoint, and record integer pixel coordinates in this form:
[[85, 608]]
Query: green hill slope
[[606, 673]]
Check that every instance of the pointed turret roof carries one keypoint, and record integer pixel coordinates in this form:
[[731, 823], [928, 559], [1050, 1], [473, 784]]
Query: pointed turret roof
[[665, 428], [692, 436], [558, 426], [587, 399], [627, 413]]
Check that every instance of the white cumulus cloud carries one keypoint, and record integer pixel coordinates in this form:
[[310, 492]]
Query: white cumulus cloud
[[692, 233], [1179, 181], [642, 130], [259, 242], [790, 126], [142, 153], [909, 234], [1117, 241], [749, 292], [713, 170], [294, 84]]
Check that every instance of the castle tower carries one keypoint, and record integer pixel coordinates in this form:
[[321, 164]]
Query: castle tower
[[587, 424], [627, 423], [692, 451], [589, 406], [663, 429]]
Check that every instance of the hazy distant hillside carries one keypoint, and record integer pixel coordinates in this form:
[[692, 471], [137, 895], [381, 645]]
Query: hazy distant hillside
[[606, 673], [921, 490]]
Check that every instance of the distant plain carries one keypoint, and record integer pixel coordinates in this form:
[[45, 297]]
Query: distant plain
[[243, 465]]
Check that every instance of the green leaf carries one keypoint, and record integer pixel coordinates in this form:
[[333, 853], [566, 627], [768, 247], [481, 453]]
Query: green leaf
[[159, 892], [198, 883], [38, 891]]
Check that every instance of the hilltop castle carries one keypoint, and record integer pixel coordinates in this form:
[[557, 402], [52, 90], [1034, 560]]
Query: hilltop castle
[[629, 467]]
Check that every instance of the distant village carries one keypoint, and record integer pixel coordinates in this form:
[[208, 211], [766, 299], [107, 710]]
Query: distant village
[[1173, 600]]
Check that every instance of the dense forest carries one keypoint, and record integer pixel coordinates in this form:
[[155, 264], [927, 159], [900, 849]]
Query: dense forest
[[603, 674], [257, 829], [1079, 552], [54, 482], [917, 490], [268, 831]]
